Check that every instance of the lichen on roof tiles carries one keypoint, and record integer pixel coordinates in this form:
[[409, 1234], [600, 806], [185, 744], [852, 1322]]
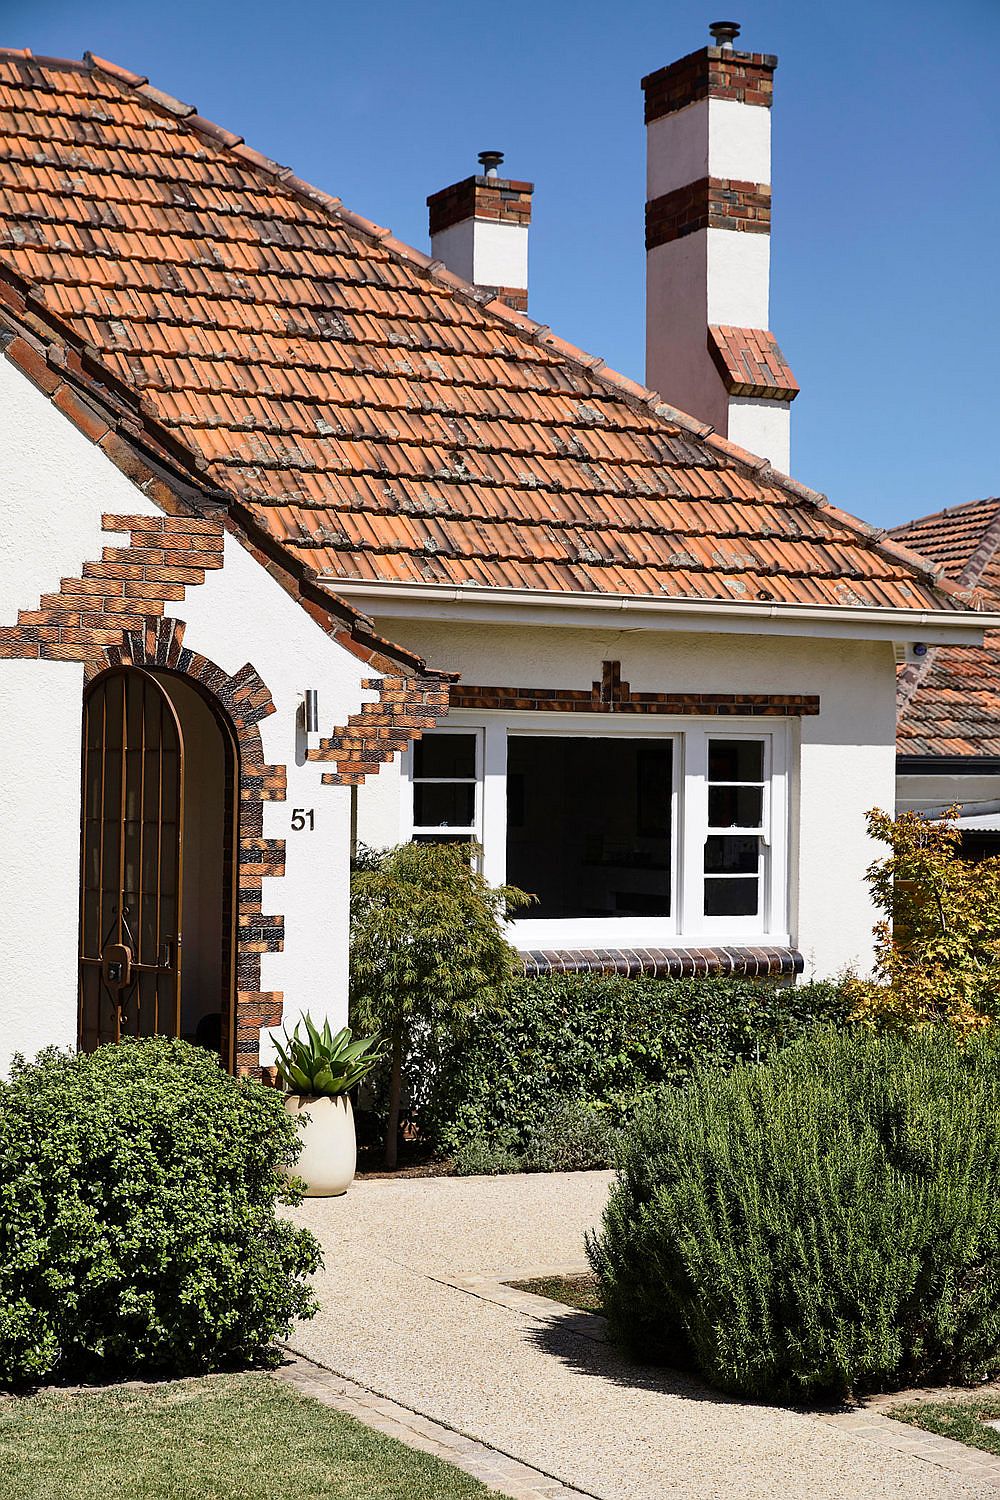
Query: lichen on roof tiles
[[383, 420]]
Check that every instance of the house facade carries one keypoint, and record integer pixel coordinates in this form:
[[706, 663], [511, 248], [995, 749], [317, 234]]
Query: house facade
[[310, 538]]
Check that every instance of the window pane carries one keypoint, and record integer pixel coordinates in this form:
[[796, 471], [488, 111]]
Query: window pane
[[735, 806], [445, 755], [731, 898], [589, 828], [726, 855], [444, 805], [736, 760]]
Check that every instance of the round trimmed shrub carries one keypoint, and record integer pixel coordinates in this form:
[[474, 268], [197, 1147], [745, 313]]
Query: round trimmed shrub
[[822, 1225], [138, 1233]]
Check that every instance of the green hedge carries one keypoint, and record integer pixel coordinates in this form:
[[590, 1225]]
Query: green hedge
[[824, 1225], [138, 1233], [603, 1040]]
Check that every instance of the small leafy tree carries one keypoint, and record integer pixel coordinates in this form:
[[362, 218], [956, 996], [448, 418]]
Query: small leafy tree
[[426, 945], [937, 950]]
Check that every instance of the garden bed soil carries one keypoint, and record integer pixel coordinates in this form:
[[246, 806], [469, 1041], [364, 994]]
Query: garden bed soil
[[580, 1292], [415, 1160]]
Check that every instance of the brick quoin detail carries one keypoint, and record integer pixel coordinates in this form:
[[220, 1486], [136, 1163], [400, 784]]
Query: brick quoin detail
[[710, 203], [711, 73], [379, 731], [243, 699], [667, 963], [498, 198], [612, 695]]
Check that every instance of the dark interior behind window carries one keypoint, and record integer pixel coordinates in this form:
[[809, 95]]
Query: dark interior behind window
[[589, 825]]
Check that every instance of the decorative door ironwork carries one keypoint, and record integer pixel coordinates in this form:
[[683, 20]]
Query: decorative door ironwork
[[131, 875]]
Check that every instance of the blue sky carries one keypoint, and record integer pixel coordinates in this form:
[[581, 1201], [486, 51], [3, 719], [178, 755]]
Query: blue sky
[[886, 177]]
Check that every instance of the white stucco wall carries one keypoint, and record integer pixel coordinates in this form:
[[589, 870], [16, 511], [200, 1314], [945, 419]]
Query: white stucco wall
[[709, 138], [485, 251], [54, 486], [843, 764], [762, 427]]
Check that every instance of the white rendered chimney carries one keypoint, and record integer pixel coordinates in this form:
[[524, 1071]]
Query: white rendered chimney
[[708, 225], [479, 229]]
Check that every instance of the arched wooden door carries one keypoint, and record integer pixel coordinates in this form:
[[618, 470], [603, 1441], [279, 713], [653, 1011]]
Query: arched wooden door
[[131, 871]]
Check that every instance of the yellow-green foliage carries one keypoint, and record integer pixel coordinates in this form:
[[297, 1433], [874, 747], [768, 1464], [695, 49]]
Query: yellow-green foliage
[[937, 953]]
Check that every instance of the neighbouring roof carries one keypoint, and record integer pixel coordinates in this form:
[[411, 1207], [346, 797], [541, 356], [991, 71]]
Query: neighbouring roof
[[949, 704], [750, 363], [381, 419]]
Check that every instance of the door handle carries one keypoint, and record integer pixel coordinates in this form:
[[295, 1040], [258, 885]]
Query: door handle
[[116, 966]]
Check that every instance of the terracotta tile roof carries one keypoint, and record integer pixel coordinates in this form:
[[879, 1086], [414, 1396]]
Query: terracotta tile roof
[[750, 363], [950, 703], [377, 416]]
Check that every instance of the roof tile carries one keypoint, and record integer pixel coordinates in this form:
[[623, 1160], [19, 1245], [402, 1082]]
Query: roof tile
[[382, 419]]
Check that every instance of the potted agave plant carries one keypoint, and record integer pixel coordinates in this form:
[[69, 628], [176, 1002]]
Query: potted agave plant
[[318, 1070]]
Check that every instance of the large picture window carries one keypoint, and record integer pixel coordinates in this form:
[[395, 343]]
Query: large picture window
[[589, 824], [627, 834]]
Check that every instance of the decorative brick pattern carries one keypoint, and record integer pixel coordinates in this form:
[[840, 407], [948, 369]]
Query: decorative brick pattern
[[709, 203], [612, 695], [750, 363], [666, 963], [497, 198], [378, 731], [122, 594], [711, 73]]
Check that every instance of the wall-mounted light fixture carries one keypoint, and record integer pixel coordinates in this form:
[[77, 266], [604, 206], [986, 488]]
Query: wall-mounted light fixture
[[310, 711]]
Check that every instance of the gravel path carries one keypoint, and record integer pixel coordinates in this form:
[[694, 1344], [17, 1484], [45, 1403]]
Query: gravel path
[[397, 1319]]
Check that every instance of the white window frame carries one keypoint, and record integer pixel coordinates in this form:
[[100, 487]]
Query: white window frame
[[429, 831], [686, 926]]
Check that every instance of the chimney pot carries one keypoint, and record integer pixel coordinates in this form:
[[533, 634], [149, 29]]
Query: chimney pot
[[490, 161], [725, 33]]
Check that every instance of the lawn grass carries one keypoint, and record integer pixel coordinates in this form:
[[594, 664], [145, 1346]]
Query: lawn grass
[[237, 1437], [582, 1292], [962, 1420]]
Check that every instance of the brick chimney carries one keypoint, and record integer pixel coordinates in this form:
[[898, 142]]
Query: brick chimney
[[708, 227], [479, 229]]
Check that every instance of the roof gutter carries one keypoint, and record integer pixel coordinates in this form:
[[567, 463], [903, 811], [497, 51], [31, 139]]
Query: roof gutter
[[475, 603]]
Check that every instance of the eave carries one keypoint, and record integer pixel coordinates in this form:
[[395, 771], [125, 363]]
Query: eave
[[474, 604]]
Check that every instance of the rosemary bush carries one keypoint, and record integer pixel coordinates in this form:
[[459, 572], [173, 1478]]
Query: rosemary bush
[[821, 1225]]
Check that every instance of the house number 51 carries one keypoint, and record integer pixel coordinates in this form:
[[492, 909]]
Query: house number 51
[[303, 817]]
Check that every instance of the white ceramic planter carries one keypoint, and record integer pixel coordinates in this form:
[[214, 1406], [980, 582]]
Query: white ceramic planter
[[329, 1153]]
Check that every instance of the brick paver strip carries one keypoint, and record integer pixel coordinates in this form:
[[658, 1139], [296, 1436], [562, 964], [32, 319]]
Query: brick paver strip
[[499, 1471]]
